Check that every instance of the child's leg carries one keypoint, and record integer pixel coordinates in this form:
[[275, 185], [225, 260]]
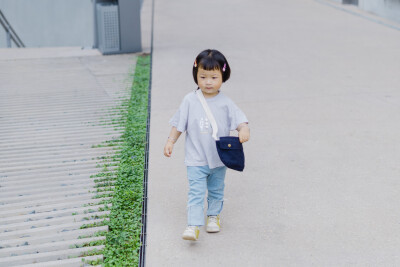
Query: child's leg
[[216, 185], [197, 189]]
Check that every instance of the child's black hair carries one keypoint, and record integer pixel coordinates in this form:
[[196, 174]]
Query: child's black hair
[[211, 59]]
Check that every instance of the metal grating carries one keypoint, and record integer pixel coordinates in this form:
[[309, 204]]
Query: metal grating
[[108, 28]]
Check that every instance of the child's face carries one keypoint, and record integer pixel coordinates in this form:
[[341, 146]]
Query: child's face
[[209, 81]]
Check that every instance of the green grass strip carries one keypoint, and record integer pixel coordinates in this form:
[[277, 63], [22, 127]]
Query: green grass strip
[[123, 239]]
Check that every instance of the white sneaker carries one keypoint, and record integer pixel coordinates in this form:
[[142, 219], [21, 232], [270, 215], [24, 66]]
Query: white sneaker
[[213, 224], [191, 233]]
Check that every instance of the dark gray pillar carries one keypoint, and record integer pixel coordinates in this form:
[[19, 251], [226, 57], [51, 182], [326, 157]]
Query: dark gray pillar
[[129, 19], [351, 2]]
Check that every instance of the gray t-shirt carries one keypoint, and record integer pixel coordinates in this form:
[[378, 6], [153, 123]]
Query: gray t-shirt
[[200, 147]]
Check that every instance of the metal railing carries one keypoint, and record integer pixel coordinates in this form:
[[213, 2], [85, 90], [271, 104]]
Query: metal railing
[[11, 35]]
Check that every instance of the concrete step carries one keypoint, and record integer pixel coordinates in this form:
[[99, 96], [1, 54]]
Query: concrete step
[[75, 170], [74, 109], [48, 160], [48, 230], [51, 214], [60, 113], [104, 133], [53, 142], [101, 126], [11, 181], [67, 154], [13, 192], [32, 105], [57, 237], [50, 221], [66, 263], [53, 196], [46, 256], [50, 185], [89, 198], [73, 164], [50, 149], [53, 184], [47, 247], [35, 208], [50, 167]]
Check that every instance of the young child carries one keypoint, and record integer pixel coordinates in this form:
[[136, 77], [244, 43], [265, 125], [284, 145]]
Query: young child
[[205, 170]]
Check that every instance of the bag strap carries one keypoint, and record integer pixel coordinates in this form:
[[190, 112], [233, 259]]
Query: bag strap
[[210, 116]]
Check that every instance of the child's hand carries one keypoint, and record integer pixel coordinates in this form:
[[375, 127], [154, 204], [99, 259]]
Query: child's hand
[[168, 148], [244, 132]]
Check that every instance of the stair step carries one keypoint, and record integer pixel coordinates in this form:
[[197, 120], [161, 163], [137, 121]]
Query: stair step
[[66, 263], [49, 185], [46, 247], [46, 256], [50, 222], [28, 208], [52, 213], [53, 229], [40, 239], [43, 189], [52, 196], [88, 197]]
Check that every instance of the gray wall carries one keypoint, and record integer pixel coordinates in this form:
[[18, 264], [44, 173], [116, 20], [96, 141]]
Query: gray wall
[[389, 9], [50, 22]]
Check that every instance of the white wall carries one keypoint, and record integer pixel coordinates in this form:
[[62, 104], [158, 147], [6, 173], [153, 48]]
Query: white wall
[[50, 22]]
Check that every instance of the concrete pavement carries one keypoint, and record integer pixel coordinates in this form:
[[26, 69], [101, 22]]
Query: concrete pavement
[[321, 90]]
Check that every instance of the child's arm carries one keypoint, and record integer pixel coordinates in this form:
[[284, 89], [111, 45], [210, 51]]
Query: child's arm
[[244, 132], [173, 137]]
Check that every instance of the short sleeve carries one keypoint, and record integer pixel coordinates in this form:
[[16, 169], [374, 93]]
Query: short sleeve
[[236, 116], [180, 119]]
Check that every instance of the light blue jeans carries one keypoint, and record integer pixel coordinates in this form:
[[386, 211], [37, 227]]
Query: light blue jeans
[[201, 179]]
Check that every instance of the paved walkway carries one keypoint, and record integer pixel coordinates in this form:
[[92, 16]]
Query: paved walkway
[[321, 89], [54, 104]]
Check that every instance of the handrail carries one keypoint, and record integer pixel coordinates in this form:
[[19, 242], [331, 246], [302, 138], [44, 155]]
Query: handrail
[[11, 34]]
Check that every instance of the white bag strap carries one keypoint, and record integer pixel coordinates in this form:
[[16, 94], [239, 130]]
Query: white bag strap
[[210, 116]]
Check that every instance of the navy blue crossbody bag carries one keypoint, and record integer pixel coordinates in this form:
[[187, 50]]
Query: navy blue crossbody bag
[[229, 148]]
